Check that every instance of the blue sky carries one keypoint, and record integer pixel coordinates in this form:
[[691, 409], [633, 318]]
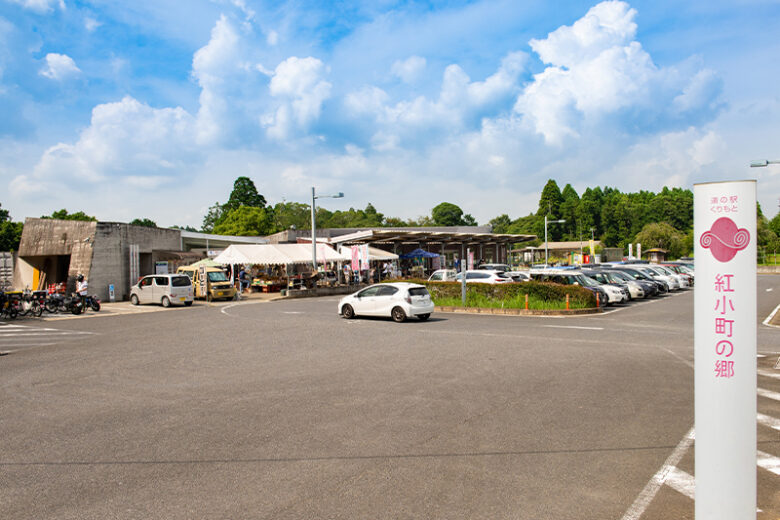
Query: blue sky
[[153, 108]]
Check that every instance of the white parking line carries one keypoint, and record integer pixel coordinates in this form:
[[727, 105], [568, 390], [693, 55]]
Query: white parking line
[[769, 421], [769, 394], [573, 327], [647, 494], [769, 318], [682, 482], [769, 373], [769, 462]]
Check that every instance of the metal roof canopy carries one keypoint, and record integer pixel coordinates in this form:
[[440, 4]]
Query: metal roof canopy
[[390, 236]]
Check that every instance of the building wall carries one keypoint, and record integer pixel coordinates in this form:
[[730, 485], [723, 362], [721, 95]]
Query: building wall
[[111, 255], [98, 250], [44, 239]]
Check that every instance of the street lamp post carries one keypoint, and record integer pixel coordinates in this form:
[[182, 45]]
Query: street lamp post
[[545, 236], [314, 197], [763, 162]]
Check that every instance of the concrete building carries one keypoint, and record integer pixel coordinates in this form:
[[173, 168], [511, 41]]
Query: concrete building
[[106, 253]]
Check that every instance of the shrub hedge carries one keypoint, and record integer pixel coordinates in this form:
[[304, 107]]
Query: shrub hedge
[[541, 290]]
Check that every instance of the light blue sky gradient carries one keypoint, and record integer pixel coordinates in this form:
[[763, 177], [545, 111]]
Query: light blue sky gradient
[[153, 108]]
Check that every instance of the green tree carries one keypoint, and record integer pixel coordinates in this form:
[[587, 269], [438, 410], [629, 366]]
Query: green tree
[[447, 214], [664, 236], [145, 222], [64, 215], [774, 224], [501, 224], [568, 212], [246, 221], [244, 194], [185, 228], [468, 220], [292, 214], [550, 201], [213, 217], [10, 232]]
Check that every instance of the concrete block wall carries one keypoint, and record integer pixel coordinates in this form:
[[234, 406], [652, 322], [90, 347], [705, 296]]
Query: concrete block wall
[[111, 254]]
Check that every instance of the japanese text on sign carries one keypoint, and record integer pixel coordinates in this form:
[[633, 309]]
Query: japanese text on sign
[[724, 327]]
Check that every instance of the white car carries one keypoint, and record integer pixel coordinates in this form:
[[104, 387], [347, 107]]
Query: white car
[[165, 289], [398, 300], [443, 275], [482, 276]]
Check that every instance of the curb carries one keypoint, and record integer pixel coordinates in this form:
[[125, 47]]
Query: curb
[[519, 312]]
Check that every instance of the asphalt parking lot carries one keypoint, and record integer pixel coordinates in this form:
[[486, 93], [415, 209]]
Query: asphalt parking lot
[[283, 410]]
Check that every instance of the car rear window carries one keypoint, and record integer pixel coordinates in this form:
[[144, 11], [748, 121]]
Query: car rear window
[[180, 281], [418, 291]]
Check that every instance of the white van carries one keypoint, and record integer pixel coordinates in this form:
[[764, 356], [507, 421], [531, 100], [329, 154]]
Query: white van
[[165, 289]]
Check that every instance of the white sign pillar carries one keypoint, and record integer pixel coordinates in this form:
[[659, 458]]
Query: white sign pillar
[[725, 349]]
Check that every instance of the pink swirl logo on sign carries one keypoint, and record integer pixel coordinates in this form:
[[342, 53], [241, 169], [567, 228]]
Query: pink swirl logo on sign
[[724, 239]]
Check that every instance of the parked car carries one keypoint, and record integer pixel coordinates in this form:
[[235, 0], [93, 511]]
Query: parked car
[[680, 270], [572, 277], [494, 267], [518, 276], [443, 275], [674, 282], [397, 300], [636, 274], [606, 277], [482, 276], [649, 287], [165, 289]]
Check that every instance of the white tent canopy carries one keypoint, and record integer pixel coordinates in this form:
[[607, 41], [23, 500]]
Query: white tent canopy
[[276, 254]]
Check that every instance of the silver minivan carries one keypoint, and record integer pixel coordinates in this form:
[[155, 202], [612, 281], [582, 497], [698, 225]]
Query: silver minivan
[[165, 289]]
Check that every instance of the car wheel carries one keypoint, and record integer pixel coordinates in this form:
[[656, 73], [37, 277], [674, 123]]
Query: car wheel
[[423, 317], [187, 304], [348, 312], [166, 302], [398, 315], [134, 299]]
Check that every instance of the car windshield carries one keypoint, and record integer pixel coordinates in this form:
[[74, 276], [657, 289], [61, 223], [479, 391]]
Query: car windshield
[[586, 281], [664, 270], [624, 277], [686, 269], [217, 276], [634, 275]]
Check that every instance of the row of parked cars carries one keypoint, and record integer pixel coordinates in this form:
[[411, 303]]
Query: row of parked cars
[[613, 283]]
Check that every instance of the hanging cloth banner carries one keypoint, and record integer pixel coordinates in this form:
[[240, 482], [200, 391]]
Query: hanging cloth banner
[[364, 264], [355, 258]]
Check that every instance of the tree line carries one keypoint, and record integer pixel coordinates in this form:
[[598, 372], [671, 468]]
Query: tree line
[[663, 219]]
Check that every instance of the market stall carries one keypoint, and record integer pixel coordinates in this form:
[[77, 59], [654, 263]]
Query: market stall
[[274, 266]]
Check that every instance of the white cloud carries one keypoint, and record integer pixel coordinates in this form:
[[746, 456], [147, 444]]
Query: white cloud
[[59, 67], [300, 86], [272, 38], [460, 103], [598, 74], [606, 25], [409, 70], [91, 24], [126, 140], [41, 6]]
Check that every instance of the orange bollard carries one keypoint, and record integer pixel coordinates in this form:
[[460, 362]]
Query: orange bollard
[[526, 302], [567, 302]]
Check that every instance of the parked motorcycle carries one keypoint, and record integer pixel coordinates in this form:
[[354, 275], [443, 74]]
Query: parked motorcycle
[[93, 302], [60, 303]]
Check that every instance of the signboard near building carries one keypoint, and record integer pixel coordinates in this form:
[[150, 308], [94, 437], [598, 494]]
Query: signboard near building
[[161, 267], [725, 349]]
